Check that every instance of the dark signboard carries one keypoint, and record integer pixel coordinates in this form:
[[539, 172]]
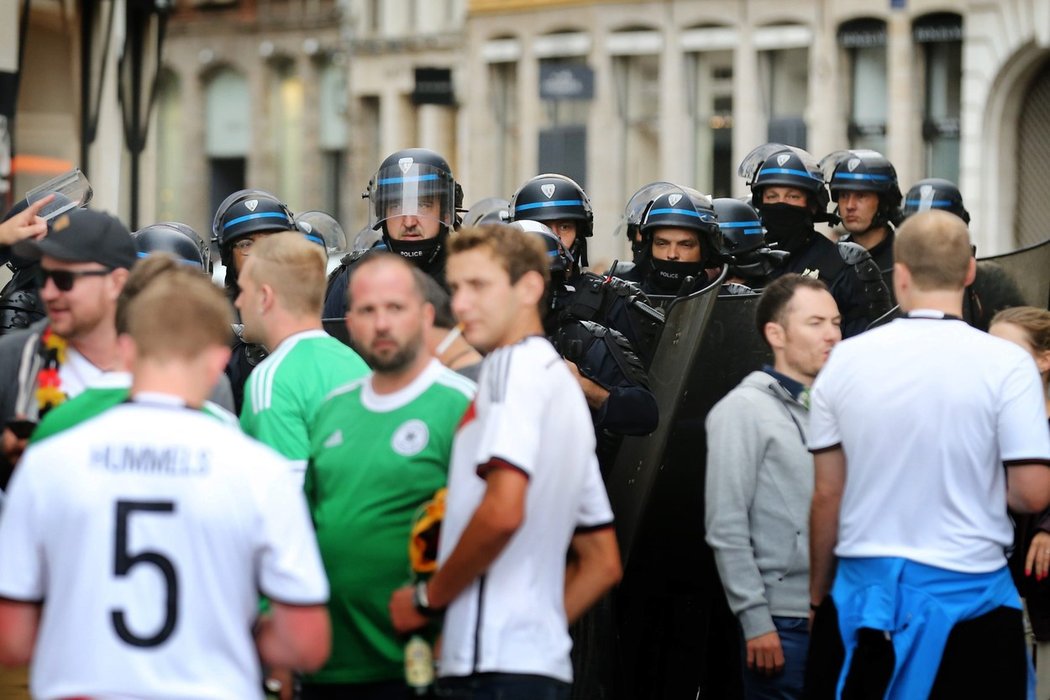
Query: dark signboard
[[566, 81], [433, 87]]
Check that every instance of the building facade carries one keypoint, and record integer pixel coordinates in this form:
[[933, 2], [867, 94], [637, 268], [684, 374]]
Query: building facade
[[305, 97]]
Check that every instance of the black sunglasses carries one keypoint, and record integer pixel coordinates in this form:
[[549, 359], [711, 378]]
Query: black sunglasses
[[65, 279]]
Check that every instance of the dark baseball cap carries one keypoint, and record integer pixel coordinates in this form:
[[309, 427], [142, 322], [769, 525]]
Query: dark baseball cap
[[83, 235]]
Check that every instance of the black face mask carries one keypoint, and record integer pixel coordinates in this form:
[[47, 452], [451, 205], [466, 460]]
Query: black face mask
[[422, 254], [788, 226], [667, 275]]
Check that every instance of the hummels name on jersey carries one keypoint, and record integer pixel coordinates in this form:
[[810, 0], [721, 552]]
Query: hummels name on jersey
[[144, 459]]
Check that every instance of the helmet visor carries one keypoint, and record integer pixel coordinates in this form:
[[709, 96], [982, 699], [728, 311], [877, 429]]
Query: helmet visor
[[753, 161], [412, 194], [324, 229]]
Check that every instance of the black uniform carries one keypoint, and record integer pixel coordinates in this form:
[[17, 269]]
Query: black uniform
[[852, 277]]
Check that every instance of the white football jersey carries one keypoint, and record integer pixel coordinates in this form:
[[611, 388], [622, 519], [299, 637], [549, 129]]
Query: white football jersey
[[148, 534], [529, 415]]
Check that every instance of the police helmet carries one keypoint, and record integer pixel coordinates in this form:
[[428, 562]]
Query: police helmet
[[864, 170], [684, 207], [553, 197], [740, 224], [638, 204], [560, 258], [322, 229], [935, 193], [414, 182], [249, 211], [786, 166], [491, 210], [176, 239]]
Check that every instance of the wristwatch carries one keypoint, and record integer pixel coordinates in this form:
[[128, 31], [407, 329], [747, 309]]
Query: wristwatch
[[421, 600]]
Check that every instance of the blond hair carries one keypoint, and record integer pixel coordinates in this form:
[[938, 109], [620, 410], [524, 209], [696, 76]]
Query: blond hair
[[515, 250], [935, 247], [177, 315], [294, 268]]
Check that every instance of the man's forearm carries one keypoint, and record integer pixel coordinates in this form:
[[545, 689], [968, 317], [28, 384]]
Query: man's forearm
[[593, 569], [485, 536], [823, 534]]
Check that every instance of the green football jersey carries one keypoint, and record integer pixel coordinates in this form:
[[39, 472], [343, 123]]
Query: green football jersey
[[283, 393], [111, 389], [374, 460]]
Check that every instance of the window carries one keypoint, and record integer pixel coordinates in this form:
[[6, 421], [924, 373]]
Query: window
[[709, 91], [503, 95], [286, 118], [864, 41], [227, 136], [332, 138], [940, 37], [786, 78]]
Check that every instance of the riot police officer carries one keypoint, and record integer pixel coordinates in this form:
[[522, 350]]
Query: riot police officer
[[787, 189], [415, 201], [611, 375], [935, 193], [560, 203], [993, 289], [751, 261], [681, 241], [863, 184], [239, 221], [176, 239]]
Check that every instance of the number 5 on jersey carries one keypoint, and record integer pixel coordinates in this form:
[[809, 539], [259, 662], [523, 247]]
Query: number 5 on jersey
[[124, 562]]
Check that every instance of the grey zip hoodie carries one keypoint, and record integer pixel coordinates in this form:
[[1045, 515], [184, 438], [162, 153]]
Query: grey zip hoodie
[[759, 487]]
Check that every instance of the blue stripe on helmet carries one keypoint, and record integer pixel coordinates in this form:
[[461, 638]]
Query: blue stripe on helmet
[[751, 228], [686, 212], [184, 261], [789, 171], [935, 203], [260, 215], [861, 176], [315, 239], [550, 203], [408, 178]]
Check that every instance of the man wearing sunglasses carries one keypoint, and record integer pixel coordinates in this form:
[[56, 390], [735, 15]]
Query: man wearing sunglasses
[[84, 263]]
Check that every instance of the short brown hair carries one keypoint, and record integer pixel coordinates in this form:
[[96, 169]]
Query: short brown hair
[[380, 257], [935, 247], [516, 251], [1035, 322], [776, 298], [294, 267], [177, 316], [142, 274]]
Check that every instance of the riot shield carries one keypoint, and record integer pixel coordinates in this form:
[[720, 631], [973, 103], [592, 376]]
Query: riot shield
[[640, 459], [676, 634], [1029, 268]]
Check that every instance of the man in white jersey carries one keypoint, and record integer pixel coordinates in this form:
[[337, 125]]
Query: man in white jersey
[[135, 545], [923, 431], [282, 286], [502, 554]]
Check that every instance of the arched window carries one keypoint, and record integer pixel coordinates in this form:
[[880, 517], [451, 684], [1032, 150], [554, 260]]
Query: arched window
[[864, 43]]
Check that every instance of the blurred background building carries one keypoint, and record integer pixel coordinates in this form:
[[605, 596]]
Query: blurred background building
[[305, 97]]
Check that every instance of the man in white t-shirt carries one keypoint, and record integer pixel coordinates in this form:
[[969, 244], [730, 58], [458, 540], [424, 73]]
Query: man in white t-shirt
[[136, 544], [923, 431], [502, 555], [84, 262]]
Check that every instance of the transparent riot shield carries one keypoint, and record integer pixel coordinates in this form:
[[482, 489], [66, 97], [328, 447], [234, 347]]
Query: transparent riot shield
[[676, 636], [1029, 268]]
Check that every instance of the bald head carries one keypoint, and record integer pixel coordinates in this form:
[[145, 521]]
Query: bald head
[[935, 247]]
